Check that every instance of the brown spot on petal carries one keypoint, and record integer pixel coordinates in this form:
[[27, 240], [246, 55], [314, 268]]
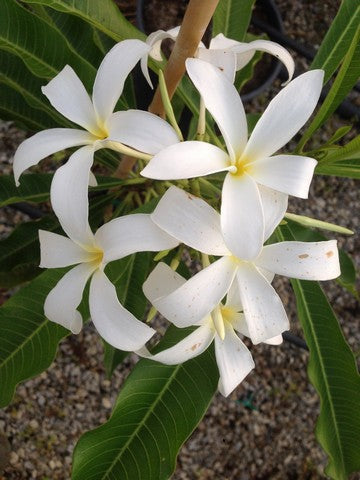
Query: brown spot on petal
[[195, 346], [329, 254], [304, 255]]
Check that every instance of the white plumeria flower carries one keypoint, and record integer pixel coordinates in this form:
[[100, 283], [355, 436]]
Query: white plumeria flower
[[193, 222], [232, 356], [114, 240], [226, 54], [103, 128], [257, 181]]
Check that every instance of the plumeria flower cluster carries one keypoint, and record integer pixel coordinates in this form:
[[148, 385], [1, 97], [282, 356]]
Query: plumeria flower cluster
[[232, 295]]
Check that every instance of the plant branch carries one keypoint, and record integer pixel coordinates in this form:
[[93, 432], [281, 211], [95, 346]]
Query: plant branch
[[196, 19]]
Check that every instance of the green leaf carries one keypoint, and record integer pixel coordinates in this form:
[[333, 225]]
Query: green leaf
[[104, 15], [350, 151], [232, 18], [156, 411], [338, 38], [341, 168], [315, 223], [28, 340], [332, 370], [345, 80], [20, 252], [41, 47], [35, 187]]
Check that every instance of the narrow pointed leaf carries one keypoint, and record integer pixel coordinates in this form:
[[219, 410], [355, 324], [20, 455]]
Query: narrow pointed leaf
[[332, 370], [157, 409], [232, 18], [346, 78], [338, 38]]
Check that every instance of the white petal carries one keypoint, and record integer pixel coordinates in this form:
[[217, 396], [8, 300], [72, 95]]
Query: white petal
[[162, 281], [187, 160], [193, 301], [112, 73], [263, 309], [285, 115], [233, 359], [67, 94], [45, 143], [278, 340], [141, 130], [58, 251], [156, 38], [221, 42], [191, 220], [291, 174], [225, 61], [242, 217], [305, 260], [114, 323], [240, 325], [243, 49], [130, 234], [61, 303], [233, 299], [274, 206], [223, 102], [69, 195], [191, 346]]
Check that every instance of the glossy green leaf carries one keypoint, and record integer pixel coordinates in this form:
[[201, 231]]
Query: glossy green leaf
[[104, 15], [350, 151], [232, 18], [338, 38], [156, 411], [28, 340], [20, 252], [332, 370], [346, 78]]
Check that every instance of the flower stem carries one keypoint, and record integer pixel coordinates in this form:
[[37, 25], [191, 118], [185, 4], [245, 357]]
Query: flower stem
[[196, 19]]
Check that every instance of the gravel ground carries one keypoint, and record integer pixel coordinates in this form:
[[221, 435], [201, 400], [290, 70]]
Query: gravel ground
[[264, 430]]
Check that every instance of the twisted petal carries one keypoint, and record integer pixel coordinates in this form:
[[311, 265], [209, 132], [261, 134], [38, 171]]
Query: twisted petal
[[162, 281], [191, 220], [61, 303], [190, 347], [58, 251], [114, 323], [45, 143], [141, 130], [193, 301], [223, 60], [274, 206], [187, 160], [242, 217], [245, 51], [130, 234], [285, 115], [223, 102], [304, 260], [233, 359], [264, 312], [69, 196], [291, 174], [67, 94], [154, 40], [112, 73]]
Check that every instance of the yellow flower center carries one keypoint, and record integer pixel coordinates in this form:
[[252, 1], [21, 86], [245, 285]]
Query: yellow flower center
[[96, 255], [242, 166]]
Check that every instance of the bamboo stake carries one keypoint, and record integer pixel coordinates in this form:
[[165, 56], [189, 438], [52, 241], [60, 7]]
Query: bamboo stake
[[196, 19]]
